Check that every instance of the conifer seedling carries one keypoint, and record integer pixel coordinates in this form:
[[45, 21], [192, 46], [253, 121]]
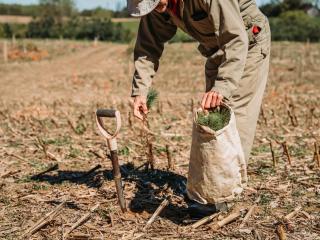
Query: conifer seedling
[[216, 119], [152, 98]]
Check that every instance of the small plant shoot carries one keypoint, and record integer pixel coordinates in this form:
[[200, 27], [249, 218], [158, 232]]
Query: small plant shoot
[[152, 98]]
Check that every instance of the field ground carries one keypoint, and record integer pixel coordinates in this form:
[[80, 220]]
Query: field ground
[[47, 118], [15, 19]]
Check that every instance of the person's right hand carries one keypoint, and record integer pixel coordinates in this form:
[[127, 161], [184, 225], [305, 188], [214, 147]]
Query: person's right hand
[[211, 99], [140, 109]]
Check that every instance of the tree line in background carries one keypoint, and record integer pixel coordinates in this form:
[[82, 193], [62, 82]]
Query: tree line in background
[[79, 29], [61, 19], [64, 7], [19, 10], [294, 20], [290, 20]]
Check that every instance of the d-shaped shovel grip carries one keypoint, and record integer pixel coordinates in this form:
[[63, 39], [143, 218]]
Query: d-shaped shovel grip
[[110, 136], [109, 113]]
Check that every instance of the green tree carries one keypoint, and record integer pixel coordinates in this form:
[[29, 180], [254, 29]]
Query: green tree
[[42, 28], [295, 26], [97, 12], [7, 31], [276, 7], [51, 20], [62, 8]]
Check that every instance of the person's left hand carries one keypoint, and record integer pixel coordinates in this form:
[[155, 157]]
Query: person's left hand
[[211, 99]]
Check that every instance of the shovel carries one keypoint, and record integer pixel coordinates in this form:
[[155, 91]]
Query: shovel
[[112, 144]]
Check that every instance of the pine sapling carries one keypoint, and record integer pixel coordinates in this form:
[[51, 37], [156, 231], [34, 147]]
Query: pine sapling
[[151, 101], [152, 98], [216, 118]]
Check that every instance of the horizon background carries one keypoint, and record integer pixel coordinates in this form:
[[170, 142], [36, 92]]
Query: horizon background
[[85, 4]]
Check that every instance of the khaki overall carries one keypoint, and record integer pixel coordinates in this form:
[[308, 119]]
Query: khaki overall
[[237, 60]]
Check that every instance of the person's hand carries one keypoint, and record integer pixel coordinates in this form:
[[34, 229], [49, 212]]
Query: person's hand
[[211, 99], [140, 109]]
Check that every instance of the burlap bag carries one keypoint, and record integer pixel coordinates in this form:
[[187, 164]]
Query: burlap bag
[[217, 170]]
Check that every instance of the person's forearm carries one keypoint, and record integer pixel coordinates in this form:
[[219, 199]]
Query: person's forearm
[[154, 31], [145, 70]]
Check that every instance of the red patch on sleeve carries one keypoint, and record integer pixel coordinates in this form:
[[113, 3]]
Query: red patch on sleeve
[[256, 30]]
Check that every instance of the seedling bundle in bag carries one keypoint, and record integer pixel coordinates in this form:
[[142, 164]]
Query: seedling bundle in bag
[[217, 169]]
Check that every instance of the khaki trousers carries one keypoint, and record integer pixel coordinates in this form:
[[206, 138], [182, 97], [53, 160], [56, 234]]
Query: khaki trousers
[[247, 98]]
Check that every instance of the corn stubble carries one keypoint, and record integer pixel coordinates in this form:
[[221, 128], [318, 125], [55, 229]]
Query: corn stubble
[[35, 135]]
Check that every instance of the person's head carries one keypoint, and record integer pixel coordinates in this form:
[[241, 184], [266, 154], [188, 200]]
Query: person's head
[[139, 8]]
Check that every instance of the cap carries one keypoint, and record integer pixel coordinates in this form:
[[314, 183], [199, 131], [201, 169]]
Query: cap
[[139, 8]]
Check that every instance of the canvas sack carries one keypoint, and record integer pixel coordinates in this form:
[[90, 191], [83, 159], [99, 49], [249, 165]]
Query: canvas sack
[[217, 169]]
